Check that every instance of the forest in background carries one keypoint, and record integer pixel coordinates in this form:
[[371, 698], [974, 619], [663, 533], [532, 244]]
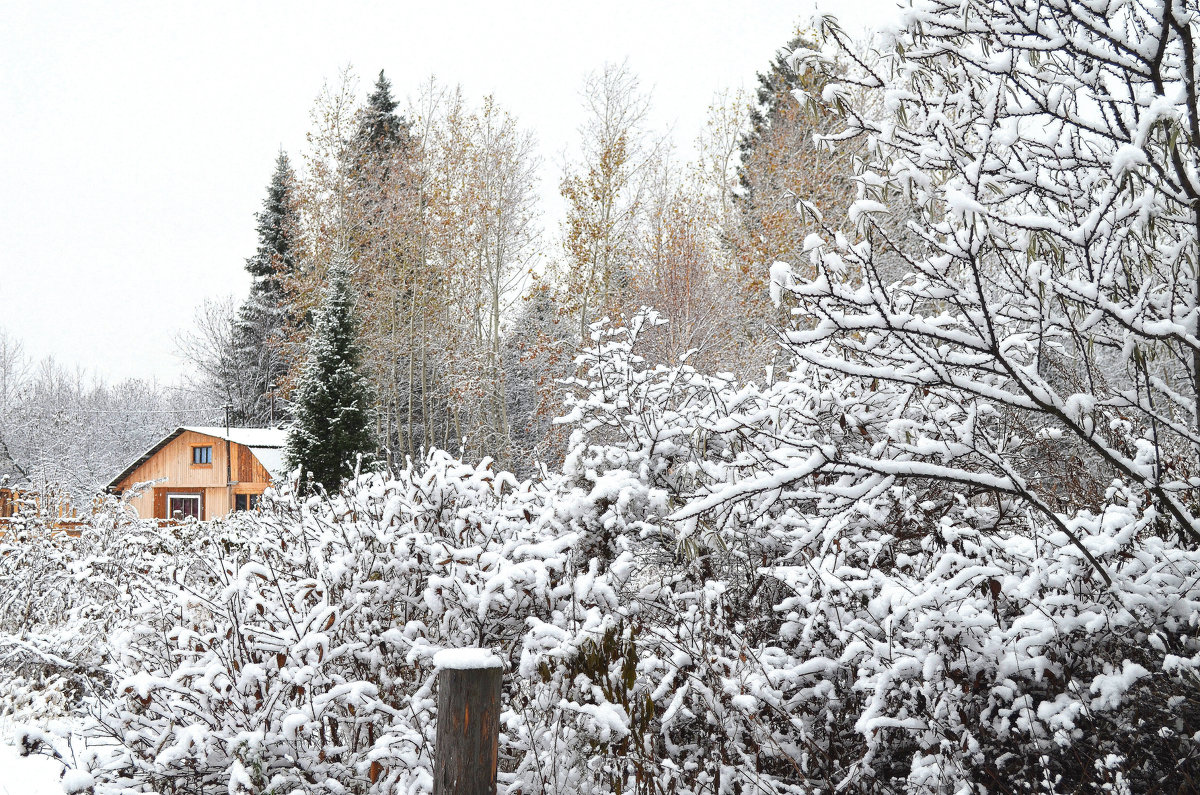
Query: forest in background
[[470, 312]]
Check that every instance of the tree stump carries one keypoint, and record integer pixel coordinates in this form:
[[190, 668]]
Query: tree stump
[[468, 722]]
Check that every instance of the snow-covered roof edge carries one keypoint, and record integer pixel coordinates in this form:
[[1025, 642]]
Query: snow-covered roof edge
[[250, 437], [271, 459]]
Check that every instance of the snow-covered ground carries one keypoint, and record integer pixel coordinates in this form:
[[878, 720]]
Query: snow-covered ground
[[32, 775]]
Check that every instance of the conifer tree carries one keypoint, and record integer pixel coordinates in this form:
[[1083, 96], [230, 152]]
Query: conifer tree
[[380, 128], [331, 427], [260, 324], [774, 105], [781, 170], [274, 256]]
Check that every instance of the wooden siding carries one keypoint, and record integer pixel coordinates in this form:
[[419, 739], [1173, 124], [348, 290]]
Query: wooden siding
[[174, 463]]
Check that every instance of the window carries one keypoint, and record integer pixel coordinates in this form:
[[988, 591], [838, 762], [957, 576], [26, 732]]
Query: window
[[245, 502], [201, 455]]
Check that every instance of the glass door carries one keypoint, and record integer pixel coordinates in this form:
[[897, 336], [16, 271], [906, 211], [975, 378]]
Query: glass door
[[181, 506]]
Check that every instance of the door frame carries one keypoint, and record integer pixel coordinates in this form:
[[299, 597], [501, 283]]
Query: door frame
[[196, 495]]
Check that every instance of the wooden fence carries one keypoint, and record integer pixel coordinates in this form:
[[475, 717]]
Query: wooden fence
[[60, 517], [17, 502]]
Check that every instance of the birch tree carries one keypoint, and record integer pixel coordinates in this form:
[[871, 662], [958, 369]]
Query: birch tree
[[603, 192], [482, 236], [384, 175], [676, 272]]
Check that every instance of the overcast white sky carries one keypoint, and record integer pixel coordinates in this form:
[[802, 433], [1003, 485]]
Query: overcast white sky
[[137, 138]]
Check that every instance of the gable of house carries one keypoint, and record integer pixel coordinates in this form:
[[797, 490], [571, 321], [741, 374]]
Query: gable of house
[[194, 473]]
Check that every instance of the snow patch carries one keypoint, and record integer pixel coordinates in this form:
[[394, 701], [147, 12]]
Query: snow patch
[[781, 279], [466, 659]]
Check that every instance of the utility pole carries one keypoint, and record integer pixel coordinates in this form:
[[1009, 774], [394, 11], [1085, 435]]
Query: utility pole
[[228, 462]]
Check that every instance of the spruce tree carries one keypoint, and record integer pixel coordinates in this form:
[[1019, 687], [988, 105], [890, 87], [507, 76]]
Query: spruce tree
[[774, 105], [380, 129], [331, 426], [274, 256], [378, 151], [780, 165], [261, 320]]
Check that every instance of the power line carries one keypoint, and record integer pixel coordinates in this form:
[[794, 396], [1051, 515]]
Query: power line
[[146, 411]]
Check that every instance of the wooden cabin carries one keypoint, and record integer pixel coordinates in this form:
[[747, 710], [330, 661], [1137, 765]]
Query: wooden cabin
[[204, 472]]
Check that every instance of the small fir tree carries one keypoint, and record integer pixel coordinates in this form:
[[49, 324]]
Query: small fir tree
[[331, 429]]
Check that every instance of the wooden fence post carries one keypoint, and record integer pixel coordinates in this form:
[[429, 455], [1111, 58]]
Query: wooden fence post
[[468, 722]]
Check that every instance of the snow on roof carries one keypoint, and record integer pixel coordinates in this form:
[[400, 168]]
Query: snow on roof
[[250, 437], [271, 458]]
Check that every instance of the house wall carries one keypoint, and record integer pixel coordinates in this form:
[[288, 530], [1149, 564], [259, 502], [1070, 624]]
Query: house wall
[[174, 462]]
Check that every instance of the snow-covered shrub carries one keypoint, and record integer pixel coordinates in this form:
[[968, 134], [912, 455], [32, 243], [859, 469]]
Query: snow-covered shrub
[[839, 615], [299, 659], [1047, 159], [979, 486], [63, 589], [297, 656], [953, 550], [694, 605]]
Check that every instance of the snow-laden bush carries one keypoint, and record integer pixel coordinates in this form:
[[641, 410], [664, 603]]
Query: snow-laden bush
[[1047, 162], [298, 659], [873, 628], [63, 589], [681, 610]]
